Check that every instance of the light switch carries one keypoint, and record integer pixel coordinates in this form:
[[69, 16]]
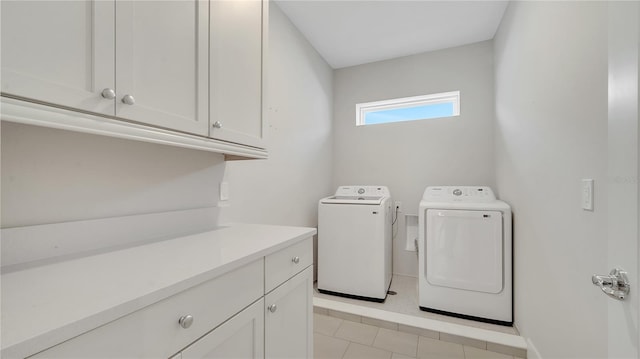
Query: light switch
[[587, 194], [224, 191]]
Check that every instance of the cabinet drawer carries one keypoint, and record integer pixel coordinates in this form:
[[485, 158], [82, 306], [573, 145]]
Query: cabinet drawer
[[154, 331], [286, 263]]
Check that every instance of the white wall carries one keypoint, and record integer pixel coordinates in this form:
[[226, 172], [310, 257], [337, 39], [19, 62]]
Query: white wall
[[51, 176], [551, 131], [285, 188], [409, 156]]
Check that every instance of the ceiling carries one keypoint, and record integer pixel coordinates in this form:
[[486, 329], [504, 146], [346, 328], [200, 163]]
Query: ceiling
[[354, 32]]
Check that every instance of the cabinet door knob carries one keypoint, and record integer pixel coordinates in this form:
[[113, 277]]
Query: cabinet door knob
[[295, 259], [217, 124], [185, 321], [128, 99], [272, 308], [108, 93]]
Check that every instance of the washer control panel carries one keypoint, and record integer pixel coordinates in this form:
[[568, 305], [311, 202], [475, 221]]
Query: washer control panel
[[364, 191], [458, 194]]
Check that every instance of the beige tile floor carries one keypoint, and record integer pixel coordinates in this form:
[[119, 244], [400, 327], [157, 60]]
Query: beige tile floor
[[406, 302], [336, 338]]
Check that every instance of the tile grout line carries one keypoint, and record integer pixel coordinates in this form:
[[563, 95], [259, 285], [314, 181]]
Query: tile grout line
[[346, 350]]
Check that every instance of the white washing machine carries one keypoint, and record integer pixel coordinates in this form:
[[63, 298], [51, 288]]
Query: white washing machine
[[465, 254], [354, 242]]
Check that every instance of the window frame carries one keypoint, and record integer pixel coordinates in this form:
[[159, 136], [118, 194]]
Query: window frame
[[433, 99]]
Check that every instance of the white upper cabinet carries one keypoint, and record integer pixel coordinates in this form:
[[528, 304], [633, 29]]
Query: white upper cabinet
[[237, 37], [162, 63], [150, 57], [190, 66], [59, 52]]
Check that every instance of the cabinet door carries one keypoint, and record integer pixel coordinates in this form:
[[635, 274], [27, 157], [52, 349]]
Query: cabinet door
[[162, 63], [59, 52], [236, 70], [289, 318], [239, 337]]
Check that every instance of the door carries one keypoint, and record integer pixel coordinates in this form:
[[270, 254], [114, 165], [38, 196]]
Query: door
[[239, 337], [622, 186], [289, 318], [162, 63], [236, 71], [464, 249], [59, 52]]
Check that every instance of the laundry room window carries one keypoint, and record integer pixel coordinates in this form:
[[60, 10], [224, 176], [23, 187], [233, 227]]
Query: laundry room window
[[446, 104]]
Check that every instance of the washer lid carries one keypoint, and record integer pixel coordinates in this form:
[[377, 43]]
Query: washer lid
[[369, 200]]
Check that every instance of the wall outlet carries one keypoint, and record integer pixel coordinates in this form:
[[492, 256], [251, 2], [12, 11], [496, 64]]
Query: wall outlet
[[398, 206], [224, 191], [587, 194]]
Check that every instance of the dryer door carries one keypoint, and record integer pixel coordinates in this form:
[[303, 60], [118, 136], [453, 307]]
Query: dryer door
[[464, 249]]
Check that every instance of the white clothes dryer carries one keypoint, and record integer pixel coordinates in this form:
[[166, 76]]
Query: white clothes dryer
[[354, 243], [465, 254]]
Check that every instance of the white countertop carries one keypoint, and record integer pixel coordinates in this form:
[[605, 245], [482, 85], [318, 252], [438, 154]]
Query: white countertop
[[46, 305]]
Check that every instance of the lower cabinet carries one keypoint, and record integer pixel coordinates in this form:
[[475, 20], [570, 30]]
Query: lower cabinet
[[240, 337], [289, 318], [231, 316], [285, 316]]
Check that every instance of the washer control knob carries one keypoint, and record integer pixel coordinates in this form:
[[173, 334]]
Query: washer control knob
[[361, 191], [457, 192], [295, 259]]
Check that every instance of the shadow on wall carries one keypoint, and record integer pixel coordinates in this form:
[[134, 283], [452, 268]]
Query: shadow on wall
[[285, 189], [51, 176]]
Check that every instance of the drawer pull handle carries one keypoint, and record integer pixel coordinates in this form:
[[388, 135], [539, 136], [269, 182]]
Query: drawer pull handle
[[128, 99], [108, 93], [272, 308], [186, 321], [295, 260]]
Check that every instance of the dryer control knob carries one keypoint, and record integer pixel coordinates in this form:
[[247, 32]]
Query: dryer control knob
[[361, 191], [457, 192]]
